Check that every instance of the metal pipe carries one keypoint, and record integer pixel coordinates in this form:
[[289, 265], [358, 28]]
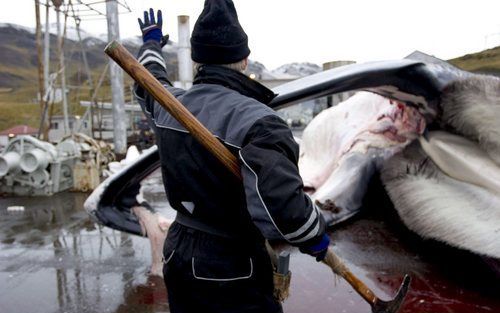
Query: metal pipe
[[184, 53], [42, 77], [46, 48], [84, 54], [44, 123], [116, 77], [35, 159], [61, 65], [41, 70]]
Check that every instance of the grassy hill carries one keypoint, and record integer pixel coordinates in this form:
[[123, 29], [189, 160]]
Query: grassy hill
[[19, 70], [485, 62], [19, 75]]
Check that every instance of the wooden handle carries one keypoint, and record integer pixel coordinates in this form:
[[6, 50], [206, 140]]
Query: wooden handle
[[147, 81], [339, 268]]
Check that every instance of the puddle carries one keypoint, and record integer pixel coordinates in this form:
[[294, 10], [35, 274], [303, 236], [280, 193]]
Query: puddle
[[55, 259]]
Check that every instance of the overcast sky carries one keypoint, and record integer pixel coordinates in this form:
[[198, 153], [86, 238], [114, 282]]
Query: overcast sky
[[284, 31]]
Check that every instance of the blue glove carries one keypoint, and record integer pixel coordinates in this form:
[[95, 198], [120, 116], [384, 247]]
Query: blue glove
[[319, 249], [151, 28]]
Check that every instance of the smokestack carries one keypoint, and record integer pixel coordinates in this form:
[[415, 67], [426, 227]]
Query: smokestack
[[184, 53]]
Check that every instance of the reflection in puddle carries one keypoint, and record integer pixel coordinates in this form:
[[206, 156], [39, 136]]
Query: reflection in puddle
[[53, 258]]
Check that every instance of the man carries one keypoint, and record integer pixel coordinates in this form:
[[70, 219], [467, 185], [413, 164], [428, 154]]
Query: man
[[215, 256]]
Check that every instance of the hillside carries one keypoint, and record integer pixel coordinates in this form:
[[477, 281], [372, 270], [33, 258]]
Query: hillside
[[18, 59], [19, 73], [485, 62]]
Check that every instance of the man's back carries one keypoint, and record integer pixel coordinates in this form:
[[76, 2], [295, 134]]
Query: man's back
[[197, 184], [215, 259]]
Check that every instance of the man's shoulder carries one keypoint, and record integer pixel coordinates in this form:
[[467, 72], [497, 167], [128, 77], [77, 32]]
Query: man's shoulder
[[226, 101], [226, 112]]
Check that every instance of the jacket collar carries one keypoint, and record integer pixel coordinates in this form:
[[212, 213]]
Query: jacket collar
[[220, 75]]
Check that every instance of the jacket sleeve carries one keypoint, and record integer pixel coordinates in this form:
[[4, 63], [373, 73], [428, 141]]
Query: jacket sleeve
[[151, 58], [273, 186]]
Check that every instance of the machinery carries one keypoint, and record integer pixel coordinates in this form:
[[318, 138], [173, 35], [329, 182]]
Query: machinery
[[31, 167]]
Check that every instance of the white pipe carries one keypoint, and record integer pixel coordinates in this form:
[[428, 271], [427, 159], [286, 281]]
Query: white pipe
[[25, 143], [184, 53], [9, 162], [35, 159]]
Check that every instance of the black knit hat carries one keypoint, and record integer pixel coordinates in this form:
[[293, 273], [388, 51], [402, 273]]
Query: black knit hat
[[218, 37]]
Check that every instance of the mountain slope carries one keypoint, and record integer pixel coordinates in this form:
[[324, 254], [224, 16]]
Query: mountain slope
[[297, 69], [18, 57], [485, 62], [19, 73]]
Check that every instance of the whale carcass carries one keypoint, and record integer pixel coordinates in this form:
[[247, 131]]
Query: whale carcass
[[406, 97], [345, 145], [447, 186], [444, 186]]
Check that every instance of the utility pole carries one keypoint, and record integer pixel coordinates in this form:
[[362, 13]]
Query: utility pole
[[84, 55], [57, 4], [116, 77], [184, 53], [41, 83], [43, 131], [89, 77], [46, 46]]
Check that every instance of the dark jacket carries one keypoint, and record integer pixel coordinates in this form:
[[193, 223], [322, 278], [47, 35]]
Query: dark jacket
[[202, 190]]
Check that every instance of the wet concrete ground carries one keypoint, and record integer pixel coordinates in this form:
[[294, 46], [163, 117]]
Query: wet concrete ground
[[53, 258]]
